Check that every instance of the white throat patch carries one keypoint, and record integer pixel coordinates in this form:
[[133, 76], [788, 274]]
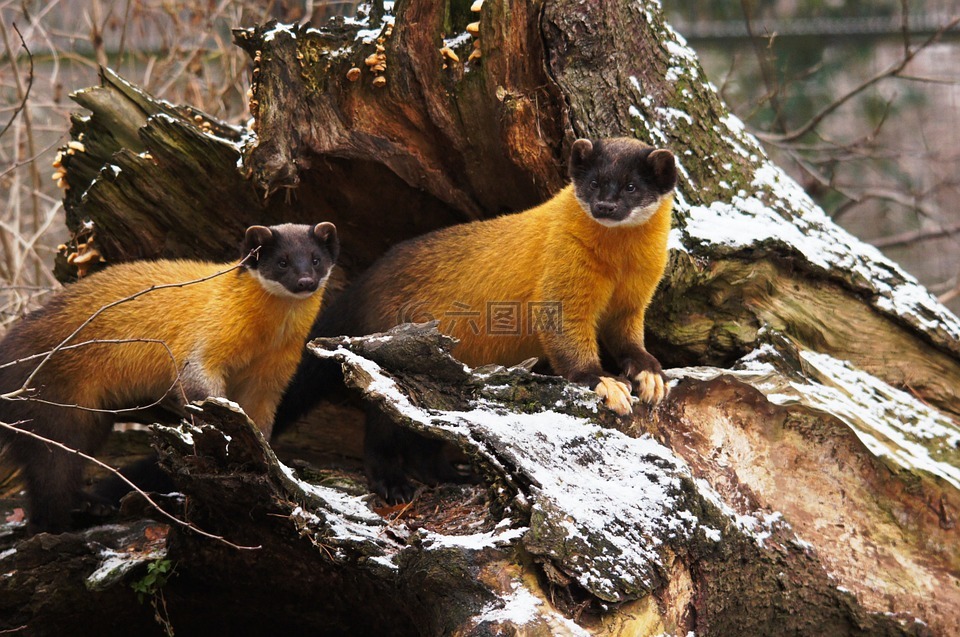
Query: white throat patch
[[278, 289], [642, 214], [637, 217]]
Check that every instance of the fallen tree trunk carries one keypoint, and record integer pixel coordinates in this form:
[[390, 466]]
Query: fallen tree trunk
[[820, 445], [613, 530]]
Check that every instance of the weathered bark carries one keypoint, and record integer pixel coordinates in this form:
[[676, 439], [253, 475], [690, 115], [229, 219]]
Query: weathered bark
[[440, 145], [614, 530], [853, 465]]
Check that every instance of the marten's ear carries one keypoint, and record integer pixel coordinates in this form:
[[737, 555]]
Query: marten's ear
[[255, 237], [326, 233], [580, 154], [664, 168]]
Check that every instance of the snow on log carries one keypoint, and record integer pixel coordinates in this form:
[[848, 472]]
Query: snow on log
[[808, 478], [588, 530], [566, 472], [55, 583], [622, 517], [864, 474]]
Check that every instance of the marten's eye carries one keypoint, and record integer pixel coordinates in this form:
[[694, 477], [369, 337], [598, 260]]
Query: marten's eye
[[631, 188], [594, 184], [282, 264]]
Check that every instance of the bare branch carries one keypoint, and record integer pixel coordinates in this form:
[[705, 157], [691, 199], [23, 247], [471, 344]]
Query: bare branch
[[23, 92], [26, 94], [26, 383], [951, 294], [20, 394], [23, 162], [905, 238], [767, 72], [911, 202], [892, 71], [183, 523]]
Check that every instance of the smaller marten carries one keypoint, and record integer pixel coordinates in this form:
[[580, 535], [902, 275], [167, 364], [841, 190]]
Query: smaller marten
[[239, 334], [552, 282]]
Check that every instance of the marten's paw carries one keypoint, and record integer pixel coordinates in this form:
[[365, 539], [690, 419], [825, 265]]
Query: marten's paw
[[650, 387], [645, 373], [393, 490], [615, 394]]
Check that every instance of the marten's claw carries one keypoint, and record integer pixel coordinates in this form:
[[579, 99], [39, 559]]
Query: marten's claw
[[650, 387], [615, 394]]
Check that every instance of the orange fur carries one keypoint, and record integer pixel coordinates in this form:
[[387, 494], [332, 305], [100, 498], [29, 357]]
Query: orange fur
[[228, 336], [603, 277]]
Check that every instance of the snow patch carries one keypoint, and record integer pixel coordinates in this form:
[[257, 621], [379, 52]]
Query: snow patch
[[712, 534], [279, 28], [581, 472], [113, 565], [758, 526], [518, 608], [521, 607], [474, 541], [891, 423], [775, 209], [385, 560], [458, 41], [672, 115], [116, 564], [369, 36], [347, 517]]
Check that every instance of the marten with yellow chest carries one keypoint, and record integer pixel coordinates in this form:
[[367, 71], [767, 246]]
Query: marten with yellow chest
[[237, 334], [554, 281]]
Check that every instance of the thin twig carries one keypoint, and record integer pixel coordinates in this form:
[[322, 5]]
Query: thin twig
[[23, 92], [23, 162], [66, 341], [949, 295], [906, 238], [19, 394], [24, 432], [767, 72], [26, 94], [892, 71], [185, 63]]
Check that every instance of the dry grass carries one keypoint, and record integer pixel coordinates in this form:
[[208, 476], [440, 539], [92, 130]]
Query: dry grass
[[182, 51], [178, 49]]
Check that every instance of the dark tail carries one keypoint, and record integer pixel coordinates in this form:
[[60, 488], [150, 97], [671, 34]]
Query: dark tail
[[316, 377], [145, 473], [311, 383]]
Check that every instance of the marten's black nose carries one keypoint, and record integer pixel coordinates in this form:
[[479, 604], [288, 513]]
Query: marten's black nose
[[604, 209], [306, 284]]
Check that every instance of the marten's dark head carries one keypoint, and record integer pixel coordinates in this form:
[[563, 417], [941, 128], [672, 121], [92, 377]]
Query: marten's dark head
[[621, 181], [291, 259]]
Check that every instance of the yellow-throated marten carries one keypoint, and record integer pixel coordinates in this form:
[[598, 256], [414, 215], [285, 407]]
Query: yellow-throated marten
[[551, 282], [238, 335]]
